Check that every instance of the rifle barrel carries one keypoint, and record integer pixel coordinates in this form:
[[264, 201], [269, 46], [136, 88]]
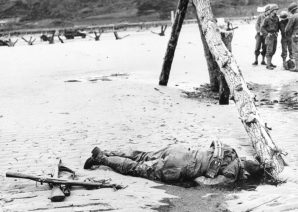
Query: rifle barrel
[[21, 175]]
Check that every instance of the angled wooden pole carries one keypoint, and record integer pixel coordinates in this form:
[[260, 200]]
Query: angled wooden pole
[[268, 153], [176, 28]]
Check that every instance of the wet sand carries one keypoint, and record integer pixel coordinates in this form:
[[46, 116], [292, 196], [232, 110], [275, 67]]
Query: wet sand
[[194, 199], [59, 101]]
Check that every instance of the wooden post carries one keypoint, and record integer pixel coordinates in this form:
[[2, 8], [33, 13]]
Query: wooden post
[[224, 90], [167, 64], [257, 130], [217, 80], [51, 38], [213, 68]]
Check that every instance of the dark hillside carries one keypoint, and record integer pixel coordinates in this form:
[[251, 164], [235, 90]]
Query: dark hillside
[[45, 13]]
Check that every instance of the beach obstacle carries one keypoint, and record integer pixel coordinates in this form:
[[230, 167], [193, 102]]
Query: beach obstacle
[[163, 29], [97, 36], [30, 42], [117, 37], [8, 43], [220, 58], [60, 39], [49, 38]]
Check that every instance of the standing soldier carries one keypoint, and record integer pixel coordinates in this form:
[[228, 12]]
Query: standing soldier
[[286, 41], [269, 29], [292, 31], [260, 38]]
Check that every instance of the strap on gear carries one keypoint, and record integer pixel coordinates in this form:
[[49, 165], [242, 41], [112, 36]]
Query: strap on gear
[[216, 159]]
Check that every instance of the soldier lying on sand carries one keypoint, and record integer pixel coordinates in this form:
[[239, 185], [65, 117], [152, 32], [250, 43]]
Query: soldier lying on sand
[[219, 165]]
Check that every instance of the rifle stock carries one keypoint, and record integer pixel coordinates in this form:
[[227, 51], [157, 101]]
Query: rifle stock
[[57, 195]]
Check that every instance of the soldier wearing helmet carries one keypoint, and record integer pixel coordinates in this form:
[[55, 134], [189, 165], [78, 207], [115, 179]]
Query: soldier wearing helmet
[[269, 29], [260, 38], [292, 31], [286, 42], [218, 165]]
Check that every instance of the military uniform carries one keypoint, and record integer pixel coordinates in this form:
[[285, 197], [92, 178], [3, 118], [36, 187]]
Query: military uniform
[[174, 163], [286, 42], [260, 40], [269, 29], [292, 32]]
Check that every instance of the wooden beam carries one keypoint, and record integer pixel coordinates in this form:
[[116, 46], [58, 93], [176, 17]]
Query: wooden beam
[[176, 28]]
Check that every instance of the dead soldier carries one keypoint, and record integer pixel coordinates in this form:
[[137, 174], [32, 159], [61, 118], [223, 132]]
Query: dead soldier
[[269, 29], [219, 165]]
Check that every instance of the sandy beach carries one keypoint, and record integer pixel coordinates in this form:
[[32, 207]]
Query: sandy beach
[[61, 100]]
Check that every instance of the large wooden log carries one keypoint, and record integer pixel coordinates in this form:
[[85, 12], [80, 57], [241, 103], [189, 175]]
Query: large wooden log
[[257, 130], [176, 28]]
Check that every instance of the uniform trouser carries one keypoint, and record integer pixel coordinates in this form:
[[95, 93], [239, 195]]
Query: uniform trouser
[[286, 45], [260, 44], [295, 50], [271, 44], [136, 163]]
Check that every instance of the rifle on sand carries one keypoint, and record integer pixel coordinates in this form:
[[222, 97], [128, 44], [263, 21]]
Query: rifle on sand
[[61, 187], [59, 181]]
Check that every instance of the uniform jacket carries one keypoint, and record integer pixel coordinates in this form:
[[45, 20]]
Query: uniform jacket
[[259, 22], [282, 27], [179, 162], [292, 26], [270, 25]]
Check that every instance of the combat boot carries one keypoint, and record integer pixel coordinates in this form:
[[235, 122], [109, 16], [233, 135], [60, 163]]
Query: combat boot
[[256, 61], [269, 65], [285, 64], [96, 158], [263, 61], [272, 65], [291, 65], [295, 69]]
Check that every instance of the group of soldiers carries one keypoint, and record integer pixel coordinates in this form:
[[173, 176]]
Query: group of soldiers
[[268, 26]]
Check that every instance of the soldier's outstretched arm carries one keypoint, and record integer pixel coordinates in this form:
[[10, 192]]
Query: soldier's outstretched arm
[[220, 180]]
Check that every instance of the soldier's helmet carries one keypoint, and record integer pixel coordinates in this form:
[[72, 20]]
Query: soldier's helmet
[[292, 7], [267, 8], [283, 15], [273, 7]]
